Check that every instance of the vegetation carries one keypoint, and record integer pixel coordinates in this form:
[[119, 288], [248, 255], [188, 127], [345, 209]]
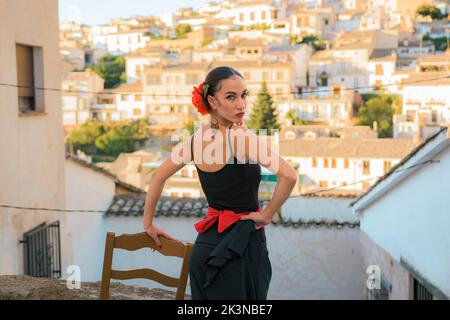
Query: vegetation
[[112, 70], [440, 44], [380, 109], [263, 115], [181, 30], [431, 11], [295, 120], [109, 139]]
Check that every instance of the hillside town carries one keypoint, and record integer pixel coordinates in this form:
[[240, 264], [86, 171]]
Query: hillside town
[[361, 93]]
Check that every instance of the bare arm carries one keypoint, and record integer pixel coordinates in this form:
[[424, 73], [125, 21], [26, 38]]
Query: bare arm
[[179, 157], [259, 152]]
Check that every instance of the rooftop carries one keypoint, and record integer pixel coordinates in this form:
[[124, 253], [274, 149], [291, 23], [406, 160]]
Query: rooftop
[[347, 148], [133, 206]]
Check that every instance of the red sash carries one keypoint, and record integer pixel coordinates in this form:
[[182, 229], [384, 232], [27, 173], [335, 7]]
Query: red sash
[[226, 219]]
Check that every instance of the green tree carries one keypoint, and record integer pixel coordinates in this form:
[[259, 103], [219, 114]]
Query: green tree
[[295, 120], [427, 10], [182, 29], [190, 126], [263, 115], [96, 138], [84, 137], [112, 70], [117, 140], [379, 109]]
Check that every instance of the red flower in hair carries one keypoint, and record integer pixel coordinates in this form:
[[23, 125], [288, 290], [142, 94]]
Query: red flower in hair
[[198, 99]]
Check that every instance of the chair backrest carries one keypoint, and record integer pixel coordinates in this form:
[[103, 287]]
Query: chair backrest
[[132, 242]]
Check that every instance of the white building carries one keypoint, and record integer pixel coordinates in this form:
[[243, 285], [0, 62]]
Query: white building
[[125, 102], [249, 13], [80, 91], [32, 145], [426, 105], [404, 224], [350, 164], [137, 60], [122, 41], [335, 108]]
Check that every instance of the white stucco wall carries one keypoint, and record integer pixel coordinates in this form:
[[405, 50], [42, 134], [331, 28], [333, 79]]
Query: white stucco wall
[[308, 263], [31, 147], [411, 221]]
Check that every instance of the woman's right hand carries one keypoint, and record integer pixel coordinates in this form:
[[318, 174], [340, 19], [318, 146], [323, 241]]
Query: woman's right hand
[[154, 232]]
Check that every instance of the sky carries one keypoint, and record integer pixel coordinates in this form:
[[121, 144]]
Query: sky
[[93, 12]]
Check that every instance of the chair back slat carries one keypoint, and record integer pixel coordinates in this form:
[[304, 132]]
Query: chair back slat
[[132, 242], [145, 274]]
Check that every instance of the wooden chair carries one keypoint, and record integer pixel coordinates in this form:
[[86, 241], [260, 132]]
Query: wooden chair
[[132, 242]]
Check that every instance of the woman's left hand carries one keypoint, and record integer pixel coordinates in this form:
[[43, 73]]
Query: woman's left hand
[[260, 218]]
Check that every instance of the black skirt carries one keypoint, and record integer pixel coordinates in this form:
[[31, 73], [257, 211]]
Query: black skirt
[[233, 265]]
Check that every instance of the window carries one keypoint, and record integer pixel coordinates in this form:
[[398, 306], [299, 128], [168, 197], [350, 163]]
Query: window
[[325, 162], [323, 184], [346, 163], [366, 167], [138, 71], [314, 162], [153, 79], [174, 194], [263, 15], [410, 115], [366, 186], [192, 78], [29, 63], [185, 173], [434, 115], [333, 163], [378, 85], [186, 195], [138, 97], [274, 14], [241, 17], [252, 16], [421, 292], [387, 166], [379, 69], [280, 75], [125, 97], [137, 112]]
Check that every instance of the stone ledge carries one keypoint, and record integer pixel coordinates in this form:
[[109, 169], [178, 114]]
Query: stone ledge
[[29, 288]]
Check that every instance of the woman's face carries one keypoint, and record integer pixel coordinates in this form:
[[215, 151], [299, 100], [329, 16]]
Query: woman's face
[[230, 101]]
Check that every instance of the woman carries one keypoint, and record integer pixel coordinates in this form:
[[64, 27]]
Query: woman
[[229, 259]]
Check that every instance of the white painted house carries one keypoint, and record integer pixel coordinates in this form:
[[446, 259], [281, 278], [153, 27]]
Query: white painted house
[[31, 147], [426, 105], [350, 164], [259, 12], [122, 41], [79, 94], [405, 223]]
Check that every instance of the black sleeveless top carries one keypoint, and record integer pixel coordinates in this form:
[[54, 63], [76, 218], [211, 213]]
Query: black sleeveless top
[[233, 187]]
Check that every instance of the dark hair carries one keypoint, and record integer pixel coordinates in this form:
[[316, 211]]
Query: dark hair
[[214, 78]]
